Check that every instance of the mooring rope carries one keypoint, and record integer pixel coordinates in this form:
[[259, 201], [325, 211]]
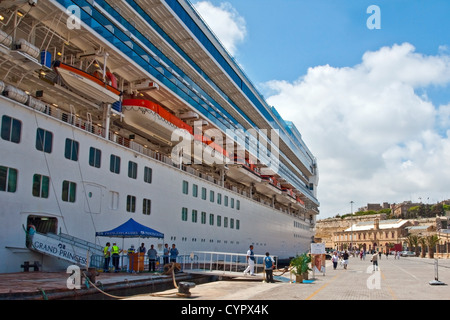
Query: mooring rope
[[170, 270], [284, 270]]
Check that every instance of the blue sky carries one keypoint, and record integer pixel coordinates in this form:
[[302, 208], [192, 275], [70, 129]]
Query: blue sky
[[372, 105]]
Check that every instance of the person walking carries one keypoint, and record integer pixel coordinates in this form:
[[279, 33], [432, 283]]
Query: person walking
[[152, 256], [374, 261], [345, 258], [268, 267], [335, 259], [107, 256], [250, 261], [387, 254]]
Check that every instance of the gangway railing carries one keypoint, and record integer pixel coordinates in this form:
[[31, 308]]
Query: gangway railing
[[62, 246], [93, 247], [225, 262]]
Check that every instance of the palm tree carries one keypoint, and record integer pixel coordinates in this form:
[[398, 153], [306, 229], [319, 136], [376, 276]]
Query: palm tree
[[413, 242], [431, 242], [423, 242]]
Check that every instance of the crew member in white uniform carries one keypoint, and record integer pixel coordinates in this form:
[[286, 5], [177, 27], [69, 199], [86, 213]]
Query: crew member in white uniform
[[251, 262]]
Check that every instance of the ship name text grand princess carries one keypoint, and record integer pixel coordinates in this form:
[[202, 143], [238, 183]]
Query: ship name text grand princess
[[113, 110]]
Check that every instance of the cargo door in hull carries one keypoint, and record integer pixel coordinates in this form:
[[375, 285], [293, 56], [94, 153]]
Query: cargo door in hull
[[94, 196]]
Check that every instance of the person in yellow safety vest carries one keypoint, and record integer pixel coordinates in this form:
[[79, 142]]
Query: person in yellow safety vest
[[115, 251], [107, 256]]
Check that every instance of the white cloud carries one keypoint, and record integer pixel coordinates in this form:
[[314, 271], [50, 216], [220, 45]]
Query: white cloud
[[225, 22], [374, 137]]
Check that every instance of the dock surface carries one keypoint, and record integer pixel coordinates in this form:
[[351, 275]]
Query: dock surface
[[407, 278]]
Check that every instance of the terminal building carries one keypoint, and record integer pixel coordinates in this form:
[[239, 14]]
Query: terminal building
[[380, 235]]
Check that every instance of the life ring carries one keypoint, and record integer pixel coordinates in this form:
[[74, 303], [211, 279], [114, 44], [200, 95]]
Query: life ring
[[112, 79]]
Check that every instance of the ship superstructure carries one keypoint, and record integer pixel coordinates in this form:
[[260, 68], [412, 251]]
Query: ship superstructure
[[133, 109]]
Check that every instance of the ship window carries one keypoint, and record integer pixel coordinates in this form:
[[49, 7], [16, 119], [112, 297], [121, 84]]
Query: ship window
[[219, 198], [95, 156], [238, 205], [204, 193], [232, 223], [185, 187], [225, 222], [132, 169], [69, 191], [211, 195], [148, 174], [238, 224], [114, 164], [211, 219], [195, 190], [44, 140], [41, 186], [194, 216], [226, 201], [11, 129], [131, 203], [8, 179], [184, 214], [232, 203], [219, 221], [146, 206], [203, 221], [71, 149]]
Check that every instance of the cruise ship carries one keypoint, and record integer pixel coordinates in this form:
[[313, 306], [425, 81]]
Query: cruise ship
[[114, 110]]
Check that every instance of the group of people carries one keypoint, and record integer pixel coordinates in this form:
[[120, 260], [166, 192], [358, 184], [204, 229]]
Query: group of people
[[269, 264], [113, 253], [342, 257], [170, 255]]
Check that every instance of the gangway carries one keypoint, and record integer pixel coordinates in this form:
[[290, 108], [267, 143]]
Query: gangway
[[223, 264], [75, 250]]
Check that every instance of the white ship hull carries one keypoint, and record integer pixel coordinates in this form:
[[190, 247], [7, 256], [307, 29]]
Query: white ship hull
[[101, 199], [79, 156]]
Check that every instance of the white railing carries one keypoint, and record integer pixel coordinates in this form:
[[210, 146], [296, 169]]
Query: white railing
[[221, 261]]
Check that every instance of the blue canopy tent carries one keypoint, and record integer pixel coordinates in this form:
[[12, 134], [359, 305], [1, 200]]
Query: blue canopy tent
[[131, 229]]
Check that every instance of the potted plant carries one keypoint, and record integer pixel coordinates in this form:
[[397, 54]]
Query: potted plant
[[300, 267]]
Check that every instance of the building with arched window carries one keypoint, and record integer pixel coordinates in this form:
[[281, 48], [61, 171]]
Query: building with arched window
[[380, 235]]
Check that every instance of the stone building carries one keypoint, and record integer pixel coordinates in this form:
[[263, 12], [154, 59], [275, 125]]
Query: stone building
[[327, 227], [372, 235], [401, 209]]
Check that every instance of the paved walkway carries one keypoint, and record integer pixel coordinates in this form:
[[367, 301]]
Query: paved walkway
[[397, 279]]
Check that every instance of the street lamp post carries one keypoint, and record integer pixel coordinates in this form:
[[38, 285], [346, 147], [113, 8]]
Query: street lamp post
[[351, 235]]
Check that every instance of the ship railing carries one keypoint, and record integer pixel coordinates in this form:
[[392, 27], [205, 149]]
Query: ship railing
[[211, 261], [198, 261]]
